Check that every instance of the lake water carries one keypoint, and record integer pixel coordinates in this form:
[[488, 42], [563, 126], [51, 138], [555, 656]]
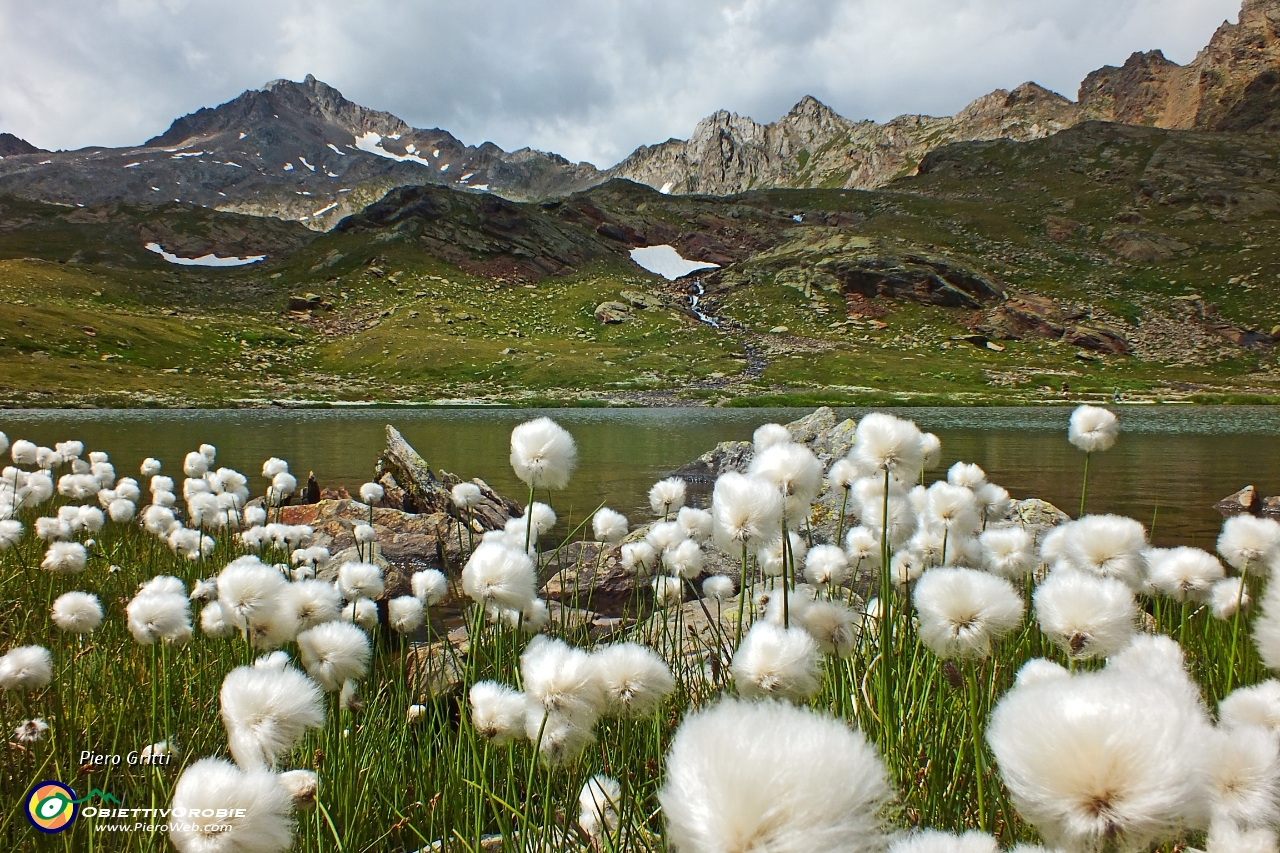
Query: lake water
[[1179, 459]]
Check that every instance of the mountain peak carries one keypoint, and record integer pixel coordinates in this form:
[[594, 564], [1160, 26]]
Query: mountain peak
[[11, 146]]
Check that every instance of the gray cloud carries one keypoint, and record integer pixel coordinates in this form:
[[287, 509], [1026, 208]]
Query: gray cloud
[[590, 79]]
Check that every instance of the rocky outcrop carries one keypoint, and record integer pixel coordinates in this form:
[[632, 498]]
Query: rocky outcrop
[[1028, 315], [14, 146], [411, 487]]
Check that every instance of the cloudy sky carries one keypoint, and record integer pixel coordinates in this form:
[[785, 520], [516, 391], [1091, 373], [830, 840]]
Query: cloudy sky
[[590, 79]]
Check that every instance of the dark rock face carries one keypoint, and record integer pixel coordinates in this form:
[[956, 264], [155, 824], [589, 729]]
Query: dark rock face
[[411, 487], [13, 146], [1246, 500], [1029, 315], [929, 281]]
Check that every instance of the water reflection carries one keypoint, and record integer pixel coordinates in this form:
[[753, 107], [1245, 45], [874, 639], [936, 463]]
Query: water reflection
[[1171, 462]]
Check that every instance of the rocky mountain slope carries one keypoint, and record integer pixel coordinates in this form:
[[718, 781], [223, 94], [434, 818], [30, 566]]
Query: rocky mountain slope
[[297, 151], [1233, 84], [303, 152]]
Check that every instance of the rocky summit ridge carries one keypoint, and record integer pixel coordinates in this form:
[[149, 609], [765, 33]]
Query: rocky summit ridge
[[303, 152]]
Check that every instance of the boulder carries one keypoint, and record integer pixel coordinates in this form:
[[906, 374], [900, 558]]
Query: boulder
[[612, 313], [640, 300], [1245, 500], [1271, 507], [818, 430]]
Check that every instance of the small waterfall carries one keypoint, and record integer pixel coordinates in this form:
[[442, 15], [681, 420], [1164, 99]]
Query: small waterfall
[[694, 299]]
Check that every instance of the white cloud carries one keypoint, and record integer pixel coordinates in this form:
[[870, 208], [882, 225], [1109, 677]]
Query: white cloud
[[590, 79]]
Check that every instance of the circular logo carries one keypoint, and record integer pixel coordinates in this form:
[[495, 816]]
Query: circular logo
[[51, 807]]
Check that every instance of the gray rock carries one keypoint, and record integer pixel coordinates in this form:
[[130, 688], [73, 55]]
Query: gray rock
[[612, 313]]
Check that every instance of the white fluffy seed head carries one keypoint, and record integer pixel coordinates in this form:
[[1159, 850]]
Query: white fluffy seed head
[[962, 612], [250, 593], [718, 588], [776, 662], [543, 454], [843, 475], [1107, 546], [1084, 615], [259, 810], [1244, 776], [967, 475], [65, 558], [497, 575], [1250, 543], [312, 602], [562, 680], [668, 591], [1093, 429], [769, 435], [667, 495], [635, 680], [1226, 837], [698, 524], [26, 668], [77, 612], [932, 841], [598, 805], [745, 511], [1185, 574], [273, 466], [748, 776], [360, 580], [638, 557], [1228, 596], [1101, 756], [465, 495], [609, 526], [826, 565], [213, 622], [362, 612], [1266, 628], [497, 711], [1008, 552], [685, 559], [794, 471], [833, 626], [372, 493], [405, 614], [885, 443], [862, 547], [430, 586], [334, 652], [1257, 705], [664, 534], [156, 616], [267, 711]]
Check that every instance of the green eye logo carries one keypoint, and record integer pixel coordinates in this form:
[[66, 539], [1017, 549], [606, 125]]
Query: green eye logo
[[51, 807]]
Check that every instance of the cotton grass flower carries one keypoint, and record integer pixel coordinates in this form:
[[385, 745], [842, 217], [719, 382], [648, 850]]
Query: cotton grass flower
[[10, 534], [794, 471], [497, 711], [1266, 628], [362, 612], [23, 452], [1244, 777], [746, 512], [77, 612], [1257, 705], [1185, 574], [360, 580], [267, 713], [667, 495], [334, 652], [833, 626], [664, 535], [543, 454], [826, 565], [250, 593], [371, 493], [718, 587], [1093, 429], [609, 526], [775, 662], [213, 622], [1249, 543], [1227, 597], [598, 805], [65, 558], [497, 575], [1108, 546], [26, 668], [256, 808], [932, 841], [1084, 615], [312, 602], [159, 616], [962, 612], [1100, 758], [465, 495], [769, 435], [744, 776], [668, 591], [685, 559], [885, 443], [1008, 552], [405, 614], [635, 680], [638, 557], [562, 680], [862, 547], [30, 731], [301, 786], [429, 586], [1227, 838]]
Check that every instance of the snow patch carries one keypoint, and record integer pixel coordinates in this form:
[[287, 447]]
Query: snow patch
[[322, 211], [666, 261], [445, 167], [411, 148], [666, 188], [179, 156], [371, 143], [337, 151], [229, 163], [242, 135], [209, 260], [303, 161], [131, 165], [467, 176], [288, 167]]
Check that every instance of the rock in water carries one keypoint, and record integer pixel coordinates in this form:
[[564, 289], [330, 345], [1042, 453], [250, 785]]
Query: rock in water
[[408, 480], [1245, 500]]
